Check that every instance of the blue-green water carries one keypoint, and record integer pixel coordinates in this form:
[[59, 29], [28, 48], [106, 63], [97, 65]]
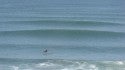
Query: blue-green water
[[79, 34]]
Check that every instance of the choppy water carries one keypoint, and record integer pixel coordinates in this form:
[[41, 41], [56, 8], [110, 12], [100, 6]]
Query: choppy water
[[72, 30], [18, 64]]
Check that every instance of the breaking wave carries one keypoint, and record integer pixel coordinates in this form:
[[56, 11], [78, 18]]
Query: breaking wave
[[49, 64]]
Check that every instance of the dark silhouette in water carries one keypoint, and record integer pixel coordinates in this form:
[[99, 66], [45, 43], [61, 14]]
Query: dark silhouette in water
[[45, 51]]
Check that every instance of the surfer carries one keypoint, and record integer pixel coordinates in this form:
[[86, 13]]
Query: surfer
[[45, 51]]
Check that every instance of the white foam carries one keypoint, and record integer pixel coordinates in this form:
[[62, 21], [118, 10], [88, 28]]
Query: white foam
[[81, 66], [65, 69], [114, 62], [46, 64], [73, 65], [15, 67], [27, 69], [120, 63], [93, 67]]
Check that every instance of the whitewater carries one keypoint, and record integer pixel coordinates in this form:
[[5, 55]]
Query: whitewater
[[78, 34]]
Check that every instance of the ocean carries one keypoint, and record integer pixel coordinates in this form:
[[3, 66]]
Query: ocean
[[78, 34]]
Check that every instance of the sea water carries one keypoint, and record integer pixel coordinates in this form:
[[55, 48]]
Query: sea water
[[78, 34]]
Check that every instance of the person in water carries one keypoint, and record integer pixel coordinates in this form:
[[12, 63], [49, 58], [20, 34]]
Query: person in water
[[45, 51]]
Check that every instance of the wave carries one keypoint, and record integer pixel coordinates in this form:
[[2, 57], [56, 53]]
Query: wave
[[61, 25], [64, 32], [72, 22], [51, 64]]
